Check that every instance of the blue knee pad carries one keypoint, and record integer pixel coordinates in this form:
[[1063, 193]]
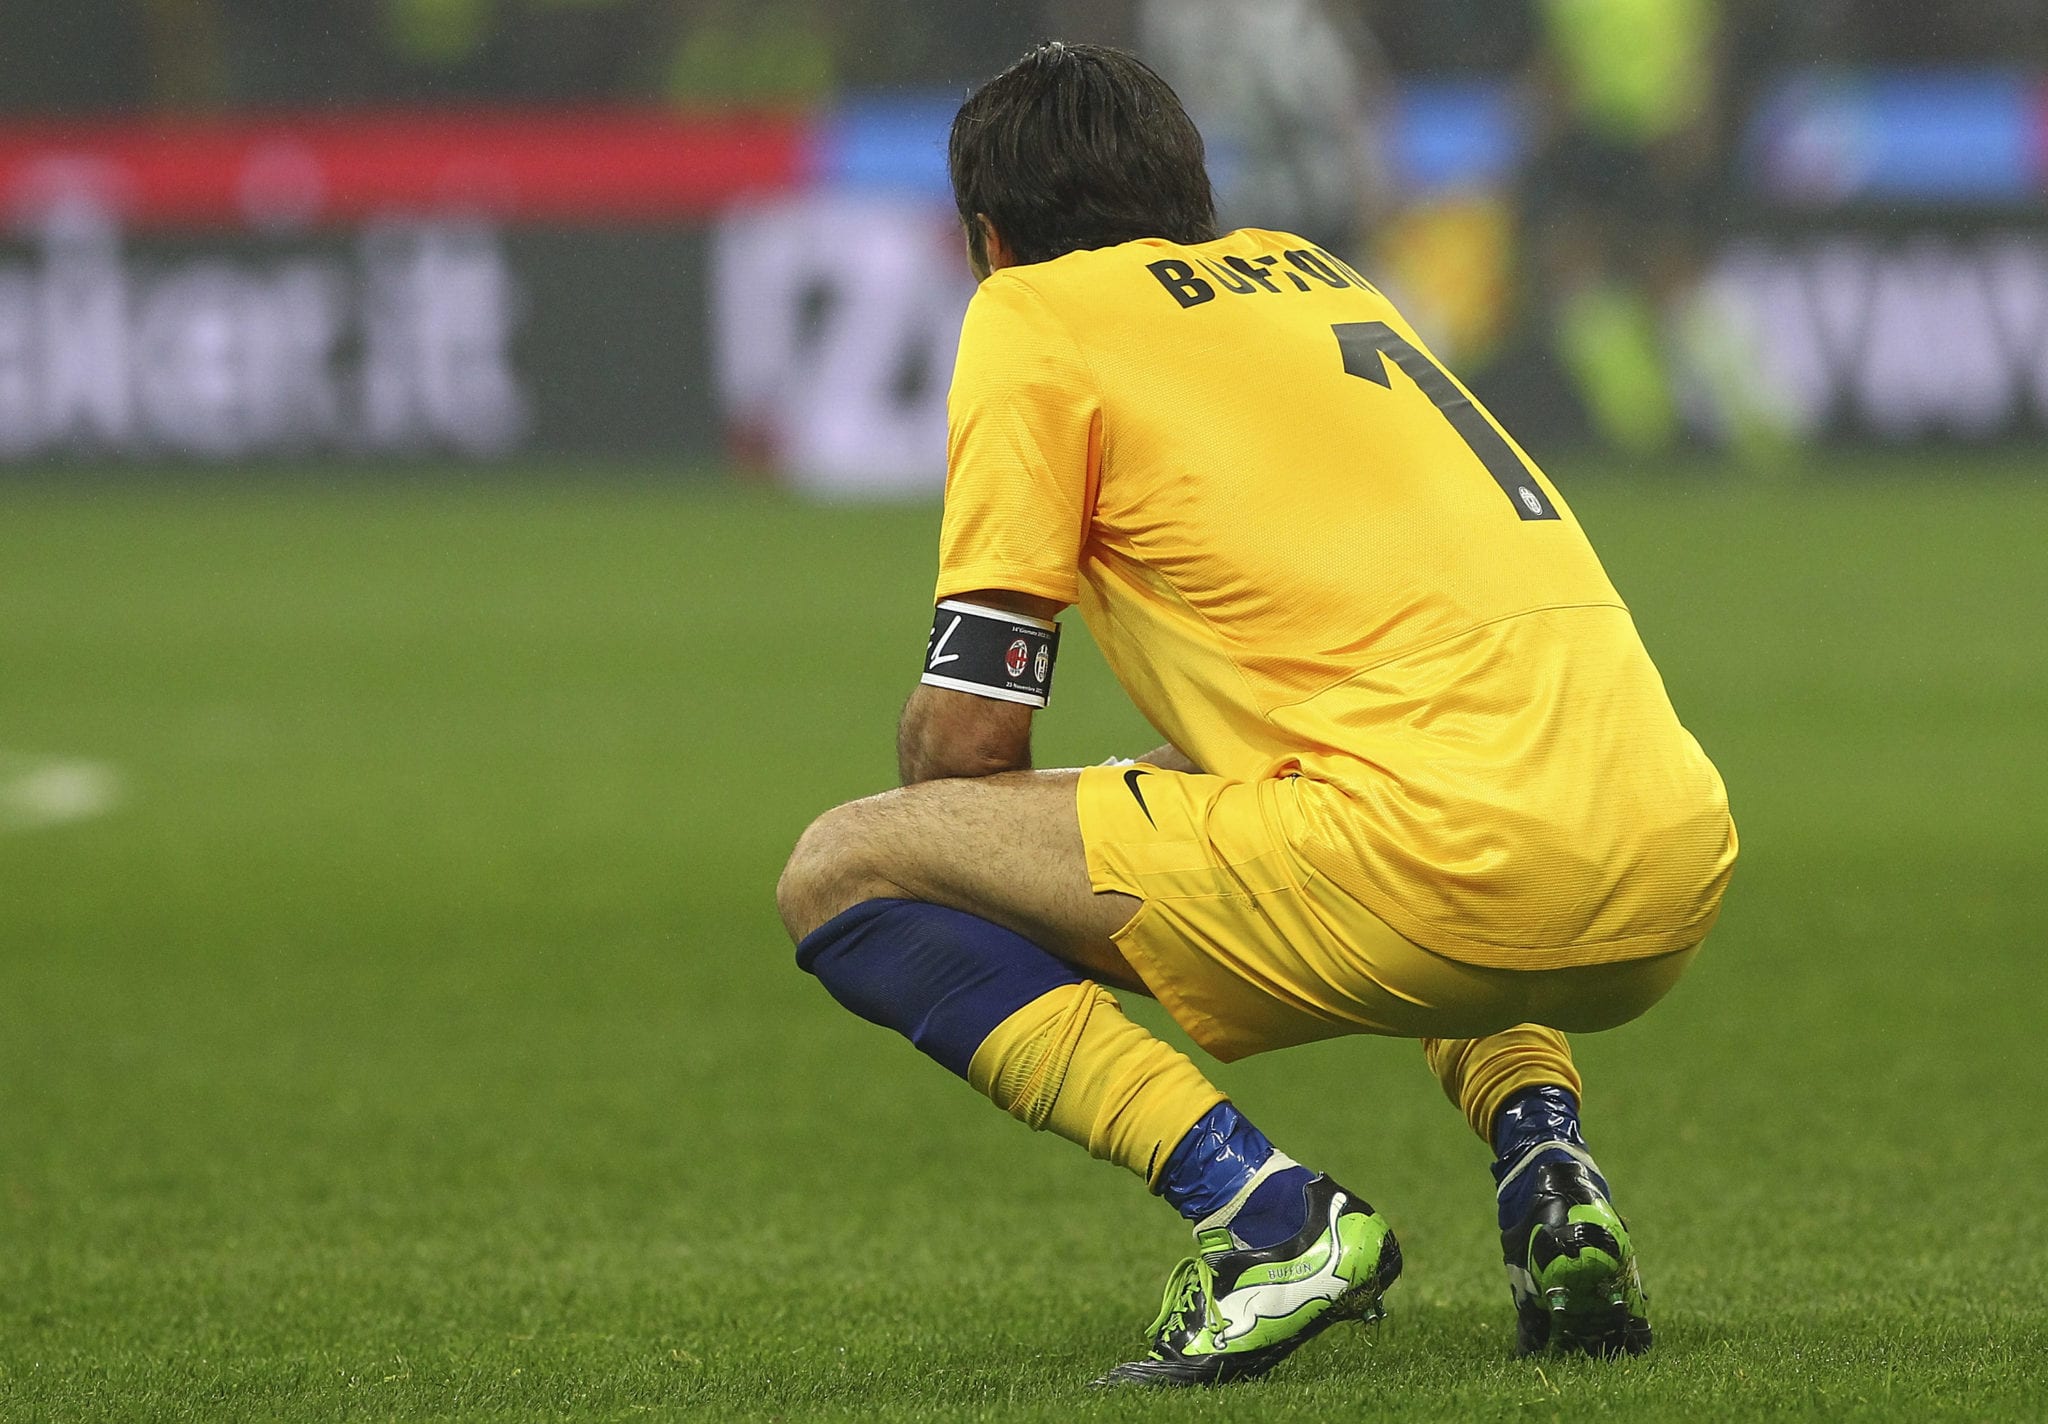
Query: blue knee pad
[[942, 978]]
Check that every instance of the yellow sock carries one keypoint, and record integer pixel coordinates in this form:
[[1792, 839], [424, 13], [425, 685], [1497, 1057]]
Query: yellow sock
[[1069, 1062], [1481, 1074]]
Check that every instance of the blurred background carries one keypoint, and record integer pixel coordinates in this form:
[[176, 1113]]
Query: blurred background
[[435, 593], [716, 234]]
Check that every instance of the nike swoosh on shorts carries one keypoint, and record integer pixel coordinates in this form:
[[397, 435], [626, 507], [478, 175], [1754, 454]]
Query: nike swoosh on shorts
[[1131, 780]]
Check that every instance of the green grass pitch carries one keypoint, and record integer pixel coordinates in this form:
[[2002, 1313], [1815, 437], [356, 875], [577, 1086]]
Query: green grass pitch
[[399, 1027]]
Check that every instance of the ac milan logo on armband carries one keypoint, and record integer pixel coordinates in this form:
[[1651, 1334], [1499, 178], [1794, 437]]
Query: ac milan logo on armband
[[1043, 664], [1017, 658]]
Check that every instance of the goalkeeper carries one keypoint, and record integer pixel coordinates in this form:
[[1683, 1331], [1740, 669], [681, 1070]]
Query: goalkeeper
[[1419, 778]]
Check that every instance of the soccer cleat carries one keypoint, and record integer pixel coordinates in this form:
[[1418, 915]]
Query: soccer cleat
[[1571, 1265], [1232, 1313]]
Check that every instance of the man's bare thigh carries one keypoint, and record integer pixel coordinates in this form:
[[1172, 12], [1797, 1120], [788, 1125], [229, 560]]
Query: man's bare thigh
[[1007, 848]]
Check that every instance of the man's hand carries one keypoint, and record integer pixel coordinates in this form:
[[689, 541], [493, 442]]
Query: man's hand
[[1171, 758], [946, 733]]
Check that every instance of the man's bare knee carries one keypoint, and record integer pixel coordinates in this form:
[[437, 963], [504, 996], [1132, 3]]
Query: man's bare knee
[[831, 870]]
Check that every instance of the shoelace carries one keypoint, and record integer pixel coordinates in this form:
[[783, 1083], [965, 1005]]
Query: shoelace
[[1187, 1288]]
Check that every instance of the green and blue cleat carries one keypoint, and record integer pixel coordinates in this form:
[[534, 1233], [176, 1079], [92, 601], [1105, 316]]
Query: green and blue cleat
[[1233, 1313], [1571, 1266]]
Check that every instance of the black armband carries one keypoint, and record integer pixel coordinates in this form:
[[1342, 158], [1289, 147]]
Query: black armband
[[990, 653]]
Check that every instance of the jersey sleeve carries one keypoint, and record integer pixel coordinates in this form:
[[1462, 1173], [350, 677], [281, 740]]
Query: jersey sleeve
[[1023, 449]]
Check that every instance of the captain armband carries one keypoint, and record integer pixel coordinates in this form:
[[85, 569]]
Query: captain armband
[[991, 653]]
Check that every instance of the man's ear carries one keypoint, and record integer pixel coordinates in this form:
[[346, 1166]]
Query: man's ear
[[995, 252]]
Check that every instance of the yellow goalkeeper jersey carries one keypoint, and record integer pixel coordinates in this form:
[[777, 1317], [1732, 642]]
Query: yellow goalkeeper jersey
[[1306, 550]]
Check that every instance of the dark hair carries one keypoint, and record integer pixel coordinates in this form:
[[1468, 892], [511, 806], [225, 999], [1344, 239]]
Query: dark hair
[[1078, 146]]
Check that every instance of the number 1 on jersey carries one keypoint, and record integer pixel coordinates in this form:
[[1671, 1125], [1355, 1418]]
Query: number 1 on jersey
[[1369, 345]]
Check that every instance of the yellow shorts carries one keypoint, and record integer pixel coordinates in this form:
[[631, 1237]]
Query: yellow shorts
[[1250, 949]]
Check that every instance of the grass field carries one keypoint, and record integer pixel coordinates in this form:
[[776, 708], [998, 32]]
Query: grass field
[[394, 1022]]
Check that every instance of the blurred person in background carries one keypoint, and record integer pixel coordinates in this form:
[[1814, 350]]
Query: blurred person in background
[[750, 52], [1447, 249], [1621, 186], [1288, 108]]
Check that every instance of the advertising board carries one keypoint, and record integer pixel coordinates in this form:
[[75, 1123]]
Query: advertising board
[[784, 292], [368, 288]]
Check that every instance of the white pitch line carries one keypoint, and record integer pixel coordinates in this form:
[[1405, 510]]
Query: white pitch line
[[36, 792]]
